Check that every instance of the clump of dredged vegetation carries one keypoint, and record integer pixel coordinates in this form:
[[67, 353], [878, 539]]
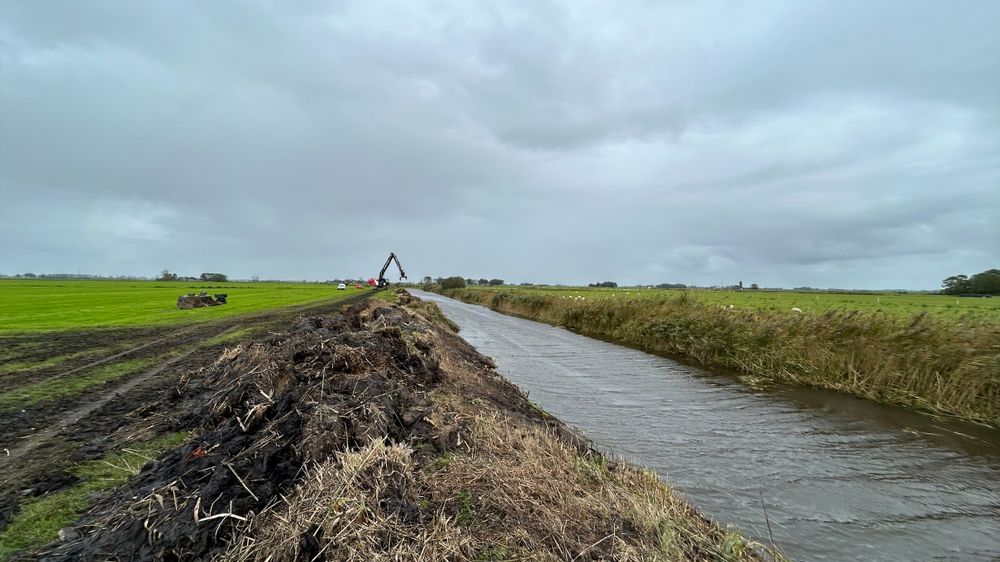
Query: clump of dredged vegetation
[[381, 435], [946, 366]]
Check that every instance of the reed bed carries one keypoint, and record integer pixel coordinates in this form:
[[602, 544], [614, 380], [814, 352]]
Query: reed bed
[[948, 367]]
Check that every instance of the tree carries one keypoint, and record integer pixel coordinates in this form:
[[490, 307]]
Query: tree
[[470, 281], [605, 284], [986, 282], [427, 280], [956, 285], [983, 283], [495, 282], [217, 277], [453, 283], [165, 275], [483, 282]]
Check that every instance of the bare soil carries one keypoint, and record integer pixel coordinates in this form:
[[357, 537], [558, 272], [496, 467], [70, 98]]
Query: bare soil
[[39, 443]]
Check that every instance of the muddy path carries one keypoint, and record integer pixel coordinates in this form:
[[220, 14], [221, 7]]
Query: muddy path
[[110, 393], [39, 442], [37, 347]]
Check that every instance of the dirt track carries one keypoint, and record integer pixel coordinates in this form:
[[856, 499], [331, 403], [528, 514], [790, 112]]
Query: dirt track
[[38, 443], [110, 393]]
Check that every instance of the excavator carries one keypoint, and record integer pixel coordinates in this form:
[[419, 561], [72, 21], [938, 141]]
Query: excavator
[[382, 283]]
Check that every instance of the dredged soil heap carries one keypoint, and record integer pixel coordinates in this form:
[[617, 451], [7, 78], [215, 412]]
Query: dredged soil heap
[[379, 434]]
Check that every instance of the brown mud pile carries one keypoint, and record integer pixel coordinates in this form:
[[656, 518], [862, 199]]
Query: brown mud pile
[[379, 434], [45, 447]]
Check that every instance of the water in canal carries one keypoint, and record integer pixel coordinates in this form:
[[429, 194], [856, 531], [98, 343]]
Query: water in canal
[[842, 478]]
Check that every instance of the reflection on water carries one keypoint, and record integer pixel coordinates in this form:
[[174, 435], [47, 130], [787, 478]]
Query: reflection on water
[[842, 478]]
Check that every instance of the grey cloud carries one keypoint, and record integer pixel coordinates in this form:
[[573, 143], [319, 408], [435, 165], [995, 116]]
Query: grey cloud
[[847, 143]]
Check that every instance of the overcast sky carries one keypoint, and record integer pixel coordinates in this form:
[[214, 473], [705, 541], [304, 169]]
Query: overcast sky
[[830, 144]]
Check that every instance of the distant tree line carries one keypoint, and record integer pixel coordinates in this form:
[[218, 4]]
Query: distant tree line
[[166, 275], [984, 283], [453, 282], [347, 281], [73, 276], [604, 284]]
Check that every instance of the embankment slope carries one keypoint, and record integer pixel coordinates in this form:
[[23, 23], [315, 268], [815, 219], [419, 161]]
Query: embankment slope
[[379, 434], [949, 368]]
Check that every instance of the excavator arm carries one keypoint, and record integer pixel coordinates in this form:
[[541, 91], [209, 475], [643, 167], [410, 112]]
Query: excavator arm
[[382, 282]]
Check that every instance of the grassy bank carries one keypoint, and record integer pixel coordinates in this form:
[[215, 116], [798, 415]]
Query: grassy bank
[[943, 364], [943, 307]]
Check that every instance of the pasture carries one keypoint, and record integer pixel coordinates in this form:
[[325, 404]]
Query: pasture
[[48, 305], [812, 302]]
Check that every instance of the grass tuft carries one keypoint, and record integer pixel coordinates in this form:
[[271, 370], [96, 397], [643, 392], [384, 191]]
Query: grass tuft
[[39, 520], [59, 387], [386, 295], [237, 335]]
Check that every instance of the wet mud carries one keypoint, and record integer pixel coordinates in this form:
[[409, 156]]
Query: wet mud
[[143, 411]]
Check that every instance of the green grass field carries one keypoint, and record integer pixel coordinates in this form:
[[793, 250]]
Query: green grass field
[[940, 306], [45, 305]]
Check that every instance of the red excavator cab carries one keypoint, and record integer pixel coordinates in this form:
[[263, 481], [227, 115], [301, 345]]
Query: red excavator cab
[[372, 282]]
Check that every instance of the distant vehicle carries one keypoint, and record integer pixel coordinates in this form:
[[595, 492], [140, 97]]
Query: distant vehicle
[[357, 285], [341, 287]]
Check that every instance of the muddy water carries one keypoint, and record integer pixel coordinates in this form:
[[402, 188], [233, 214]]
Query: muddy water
[[841, 478]]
